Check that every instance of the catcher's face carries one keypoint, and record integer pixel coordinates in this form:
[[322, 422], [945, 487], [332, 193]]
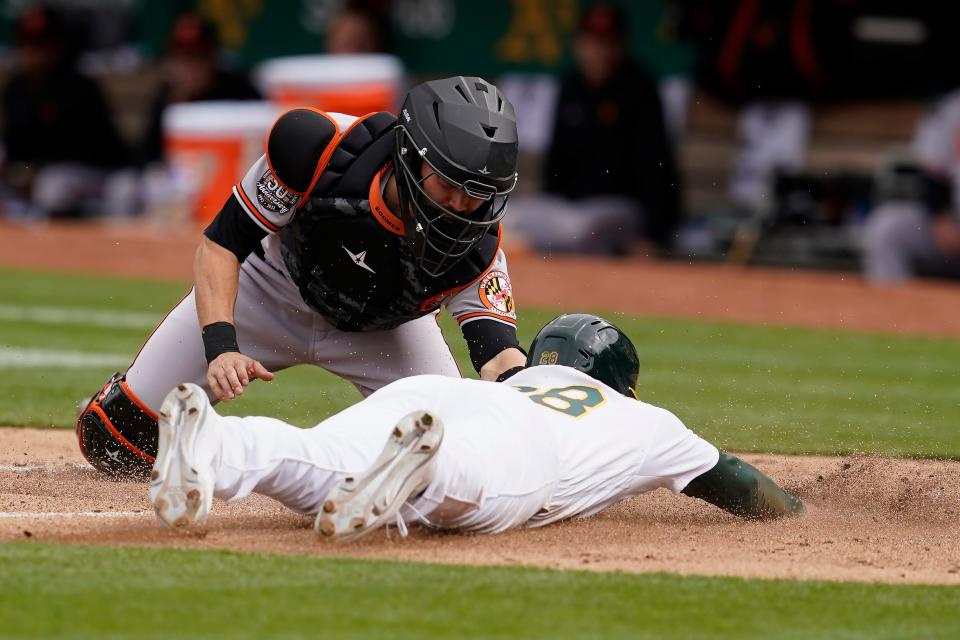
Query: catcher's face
[[444, 219], [448, 196]]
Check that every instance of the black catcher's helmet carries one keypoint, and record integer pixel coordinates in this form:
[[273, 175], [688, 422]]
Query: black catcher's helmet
[[592, 345], [466, 132]]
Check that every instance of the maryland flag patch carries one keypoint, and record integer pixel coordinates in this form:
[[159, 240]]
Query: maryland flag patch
[[496, 293]]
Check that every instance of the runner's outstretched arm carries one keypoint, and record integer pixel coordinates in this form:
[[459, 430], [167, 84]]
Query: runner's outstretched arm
[[740, 488]]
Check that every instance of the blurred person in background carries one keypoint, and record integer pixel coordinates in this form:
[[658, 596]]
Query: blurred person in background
[[193, 72], [914, 229], [610, 180], [356, 29], [372, 78], [776, 61], [64, 155]]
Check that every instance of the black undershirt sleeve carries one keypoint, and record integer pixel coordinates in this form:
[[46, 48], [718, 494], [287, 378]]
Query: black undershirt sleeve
[[233, 230], [740, 488], [509, 373], [487, 338]]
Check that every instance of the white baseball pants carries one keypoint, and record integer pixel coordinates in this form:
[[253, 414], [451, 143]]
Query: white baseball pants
[[490, 474]]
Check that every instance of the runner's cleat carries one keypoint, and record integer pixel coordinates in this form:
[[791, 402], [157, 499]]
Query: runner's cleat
[[361, 504], [181, 483]]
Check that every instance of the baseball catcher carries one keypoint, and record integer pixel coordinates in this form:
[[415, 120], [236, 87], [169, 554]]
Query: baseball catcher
[[338, 249]]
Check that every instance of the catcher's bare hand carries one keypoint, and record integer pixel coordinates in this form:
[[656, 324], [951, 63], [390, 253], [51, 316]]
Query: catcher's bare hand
[[230, 372]]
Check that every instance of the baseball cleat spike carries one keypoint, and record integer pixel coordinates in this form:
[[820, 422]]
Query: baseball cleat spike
[[366, 502]]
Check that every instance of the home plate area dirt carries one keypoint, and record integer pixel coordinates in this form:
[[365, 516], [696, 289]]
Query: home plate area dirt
[[871, 519]]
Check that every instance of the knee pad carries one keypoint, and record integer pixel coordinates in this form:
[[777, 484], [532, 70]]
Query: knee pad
[[117, 432]]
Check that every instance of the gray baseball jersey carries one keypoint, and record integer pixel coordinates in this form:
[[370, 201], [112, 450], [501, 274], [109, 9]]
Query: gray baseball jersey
[[329, 280]]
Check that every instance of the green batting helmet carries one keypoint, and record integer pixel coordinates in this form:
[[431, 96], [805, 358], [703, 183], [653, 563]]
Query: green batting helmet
[[592, 345]]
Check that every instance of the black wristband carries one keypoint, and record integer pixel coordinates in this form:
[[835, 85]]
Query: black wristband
[[218, 338], [510, 373]]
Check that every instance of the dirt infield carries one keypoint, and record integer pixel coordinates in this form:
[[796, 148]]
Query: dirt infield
[[872, 519]]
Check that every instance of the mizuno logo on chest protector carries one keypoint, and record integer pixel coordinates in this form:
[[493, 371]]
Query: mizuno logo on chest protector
[[358, 259]]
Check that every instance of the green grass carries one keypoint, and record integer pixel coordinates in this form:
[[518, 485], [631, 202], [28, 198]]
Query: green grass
[[86, 592], [746, 388]]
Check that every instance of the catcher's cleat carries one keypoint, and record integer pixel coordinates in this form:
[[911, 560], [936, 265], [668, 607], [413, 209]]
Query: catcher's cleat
[[361, 504], [181, 482]]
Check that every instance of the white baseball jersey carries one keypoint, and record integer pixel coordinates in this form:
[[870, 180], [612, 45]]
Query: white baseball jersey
[[609, 447], [549, 444]]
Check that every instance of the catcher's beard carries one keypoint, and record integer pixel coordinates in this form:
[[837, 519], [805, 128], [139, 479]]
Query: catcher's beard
[[438, 241], [438, 237]]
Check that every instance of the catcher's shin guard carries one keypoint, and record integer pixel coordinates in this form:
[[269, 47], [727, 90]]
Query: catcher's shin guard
[[117, 432]]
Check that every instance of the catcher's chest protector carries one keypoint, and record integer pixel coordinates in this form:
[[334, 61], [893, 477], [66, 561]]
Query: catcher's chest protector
[[346, 252]]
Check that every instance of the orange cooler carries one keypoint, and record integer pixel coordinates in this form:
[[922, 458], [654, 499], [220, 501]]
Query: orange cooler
[[210, 145], [351, 84]]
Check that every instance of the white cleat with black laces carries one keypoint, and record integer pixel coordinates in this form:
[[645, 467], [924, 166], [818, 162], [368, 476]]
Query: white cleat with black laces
[[181, 483], [363, 503]]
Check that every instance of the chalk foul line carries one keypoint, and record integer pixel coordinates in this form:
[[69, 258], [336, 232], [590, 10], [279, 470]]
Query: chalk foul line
[[72, 514]]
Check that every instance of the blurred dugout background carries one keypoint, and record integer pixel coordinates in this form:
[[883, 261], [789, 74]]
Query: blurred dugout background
[[816, 133]]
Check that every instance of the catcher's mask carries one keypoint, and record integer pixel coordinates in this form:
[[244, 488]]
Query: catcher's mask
[[592, 345], [465, 133]]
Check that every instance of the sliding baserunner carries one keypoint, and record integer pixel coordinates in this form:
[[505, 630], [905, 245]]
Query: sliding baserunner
[[563, 437]]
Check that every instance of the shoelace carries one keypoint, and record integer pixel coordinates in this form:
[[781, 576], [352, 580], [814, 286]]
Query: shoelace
[[402, 526]]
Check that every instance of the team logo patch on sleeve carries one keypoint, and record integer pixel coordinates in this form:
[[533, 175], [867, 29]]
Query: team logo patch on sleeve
[[272, 196], [496, 293]]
